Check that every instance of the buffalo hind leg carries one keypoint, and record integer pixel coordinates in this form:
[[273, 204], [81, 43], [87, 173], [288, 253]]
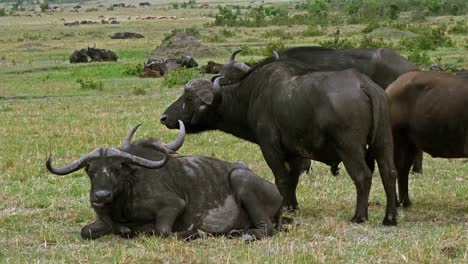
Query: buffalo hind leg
[[277, 164], [260, 199], [404, 155], [388, 174], [355, 164]]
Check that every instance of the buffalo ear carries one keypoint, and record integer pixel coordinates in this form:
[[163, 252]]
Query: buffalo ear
[[206, 96]]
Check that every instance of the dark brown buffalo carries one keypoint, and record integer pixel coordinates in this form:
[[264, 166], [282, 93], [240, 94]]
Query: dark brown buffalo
[[212, 67], [79, 56], [428, 112], [126, 35]]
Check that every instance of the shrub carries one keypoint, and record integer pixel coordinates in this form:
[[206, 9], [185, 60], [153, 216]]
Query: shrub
[[227, 33], [44, 6], [431, 40], [246, 50], [313, 31], [92, 9], [459, 28], [274, 45], [138, 91], [277, 33], [191, 30], [133, 69], [371, 27], [180, 76], [90, 84], [3, 12], [420, 58]]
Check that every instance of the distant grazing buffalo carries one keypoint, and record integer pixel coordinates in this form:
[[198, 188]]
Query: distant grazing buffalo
[[139, 189], [145, 4], [429, 112], [294, 114]]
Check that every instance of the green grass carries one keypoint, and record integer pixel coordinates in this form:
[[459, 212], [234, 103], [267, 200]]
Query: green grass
[[41, 214]]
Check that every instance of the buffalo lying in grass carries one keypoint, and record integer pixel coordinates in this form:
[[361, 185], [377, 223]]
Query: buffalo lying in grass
[[79, 56], [295, 114], [165, 66], [138, 188]]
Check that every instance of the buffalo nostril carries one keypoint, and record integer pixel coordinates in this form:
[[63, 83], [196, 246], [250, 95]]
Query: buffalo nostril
[[103, 194], [163, 118]]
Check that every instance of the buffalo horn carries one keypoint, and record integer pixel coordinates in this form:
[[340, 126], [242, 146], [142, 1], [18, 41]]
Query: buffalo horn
[[233, 56], [216, 87], [128, 138], [174, 146], [242, 66], [276, 55], [74, 166], [135, 160]]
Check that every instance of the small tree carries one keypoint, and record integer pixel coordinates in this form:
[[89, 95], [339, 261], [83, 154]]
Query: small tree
[[44, 6], [393, 11]]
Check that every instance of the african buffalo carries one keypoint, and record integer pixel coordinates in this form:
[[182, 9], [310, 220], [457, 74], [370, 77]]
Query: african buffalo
[[101, 54], [126, 35], [428, 111], [212, 67], [79, 56], [325, 116], [382, 65], [138, 188], [165, 66]]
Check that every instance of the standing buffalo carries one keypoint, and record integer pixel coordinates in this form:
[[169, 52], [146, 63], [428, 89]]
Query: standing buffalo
[[101, 54], [138, 189], [79, 56], [165, 66], [429, 112], [292, 114], [382, 65]]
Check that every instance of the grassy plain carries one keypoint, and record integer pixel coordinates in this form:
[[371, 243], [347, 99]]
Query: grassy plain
[[41, 104]]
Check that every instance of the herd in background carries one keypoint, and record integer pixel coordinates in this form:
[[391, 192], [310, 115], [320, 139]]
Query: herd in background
[[352, 106]]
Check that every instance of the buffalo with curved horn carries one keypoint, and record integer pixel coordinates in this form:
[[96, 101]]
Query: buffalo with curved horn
[[137, 189]]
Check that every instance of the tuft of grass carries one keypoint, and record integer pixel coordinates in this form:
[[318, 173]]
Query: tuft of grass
[[180, 76], [89, 84]]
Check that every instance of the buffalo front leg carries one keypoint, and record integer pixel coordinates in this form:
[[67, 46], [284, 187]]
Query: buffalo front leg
[[277, 164], [355, 163], [96, 229]]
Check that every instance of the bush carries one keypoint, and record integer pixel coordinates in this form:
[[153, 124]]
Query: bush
[[44, 6], [191, 30], [180, 76], [227, 33], [138, 91], [90, 84], [274, 45], [371, 27], [459, 28], [277, 33], [92, 9], [246, 50], [133, 69], [313, 31], [3, 12], [420, 58], [431, 40]]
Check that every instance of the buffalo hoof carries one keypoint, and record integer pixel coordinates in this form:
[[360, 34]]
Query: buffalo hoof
[[248, 238], [290, 208], [335, 170], [389, 221], [358, 219], [406, 203], [124, 232]]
